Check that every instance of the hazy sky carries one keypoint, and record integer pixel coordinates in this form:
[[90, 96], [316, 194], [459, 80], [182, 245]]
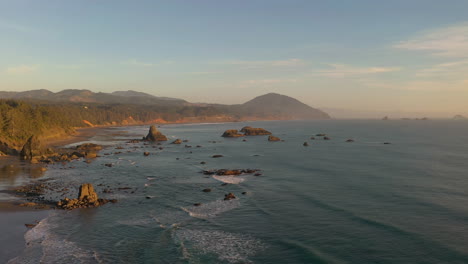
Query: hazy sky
[[385, 56]]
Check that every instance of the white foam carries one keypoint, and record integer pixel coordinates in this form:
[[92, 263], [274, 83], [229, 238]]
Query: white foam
[[229, 179], [43, 246], [212, 209], [230, 247]]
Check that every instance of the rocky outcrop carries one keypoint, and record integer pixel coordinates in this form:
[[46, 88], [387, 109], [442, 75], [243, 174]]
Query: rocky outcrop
[[252, 131], [89, 147], [6, 149], [87, 197], [177, 142], [32, 148], [232, 133], [155, 135], [273, 138]]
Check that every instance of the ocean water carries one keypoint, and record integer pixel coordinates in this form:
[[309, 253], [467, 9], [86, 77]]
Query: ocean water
[[330, 202]]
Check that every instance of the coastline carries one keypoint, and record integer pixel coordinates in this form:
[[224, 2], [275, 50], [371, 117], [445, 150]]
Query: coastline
[[13, 218]]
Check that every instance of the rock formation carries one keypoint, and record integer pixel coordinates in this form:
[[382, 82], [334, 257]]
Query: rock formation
[[32, 148], [229, 196], [273, 138], [252, 131], [87, 197], [232, 133], [177, 141], [155, 135]]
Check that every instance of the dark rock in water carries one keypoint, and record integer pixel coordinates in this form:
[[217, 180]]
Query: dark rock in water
[[320, 135], [305, 144], [207, 190], [217, 156], [224, 184], [202, 162], [244, 193], [244, 140], [146, 153], [148, 197], [197, 204], [350, 140], [257, 174], [252, 131], [198, 146], [326, 138], [229, 196], [387, 143], [32, 148], [155, 135], [273, 138], [177, 141], [232, 133], [188, 146], [108, 165]]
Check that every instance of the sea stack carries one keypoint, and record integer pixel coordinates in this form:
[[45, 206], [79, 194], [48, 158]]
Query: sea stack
[[31, 149], [252, 131], [232, 133], [155, 135]]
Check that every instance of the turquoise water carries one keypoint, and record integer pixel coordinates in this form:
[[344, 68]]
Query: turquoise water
[[331, 202]]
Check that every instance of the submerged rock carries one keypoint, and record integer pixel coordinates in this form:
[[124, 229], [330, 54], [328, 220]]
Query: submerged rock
[[89, 147], [350, 140], [155, 135], [305, 144], [232, 133], [146, 153], [273, 138], [217, 156]]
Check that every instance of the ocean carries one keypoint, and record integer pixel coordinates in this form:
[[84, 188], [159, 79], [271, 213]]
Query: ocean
[[330, 202]]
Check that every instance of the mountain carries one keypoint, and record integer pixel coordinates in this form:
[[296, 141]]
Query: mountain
[[87, 96], [277, 106]]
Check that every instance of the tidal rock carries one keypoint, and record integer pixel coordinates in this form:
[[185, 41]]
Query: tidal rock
[[273, 138], [87, 197], [206, 190], [146, 153], [177, 141], [87, 192], [350, 140], [326, 138], [229, 196], [232, 133], [217, 156], [32, 148], [89, 147], [252, 131], [155, 135], [320, 135], [305, 144]]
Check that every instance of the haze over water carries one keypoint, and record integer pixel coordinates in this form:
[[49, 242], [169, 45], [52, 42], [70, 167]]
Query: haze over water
[[331, 202]]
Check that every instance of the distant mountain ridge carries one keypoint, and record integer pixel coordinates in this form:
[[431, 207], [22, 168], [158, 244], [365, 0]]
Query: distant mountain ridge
[[87, 96]]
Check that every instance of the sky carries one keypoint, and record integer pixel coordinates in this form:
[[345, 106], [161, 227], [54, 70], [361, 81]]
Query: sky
[[352, 58]]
